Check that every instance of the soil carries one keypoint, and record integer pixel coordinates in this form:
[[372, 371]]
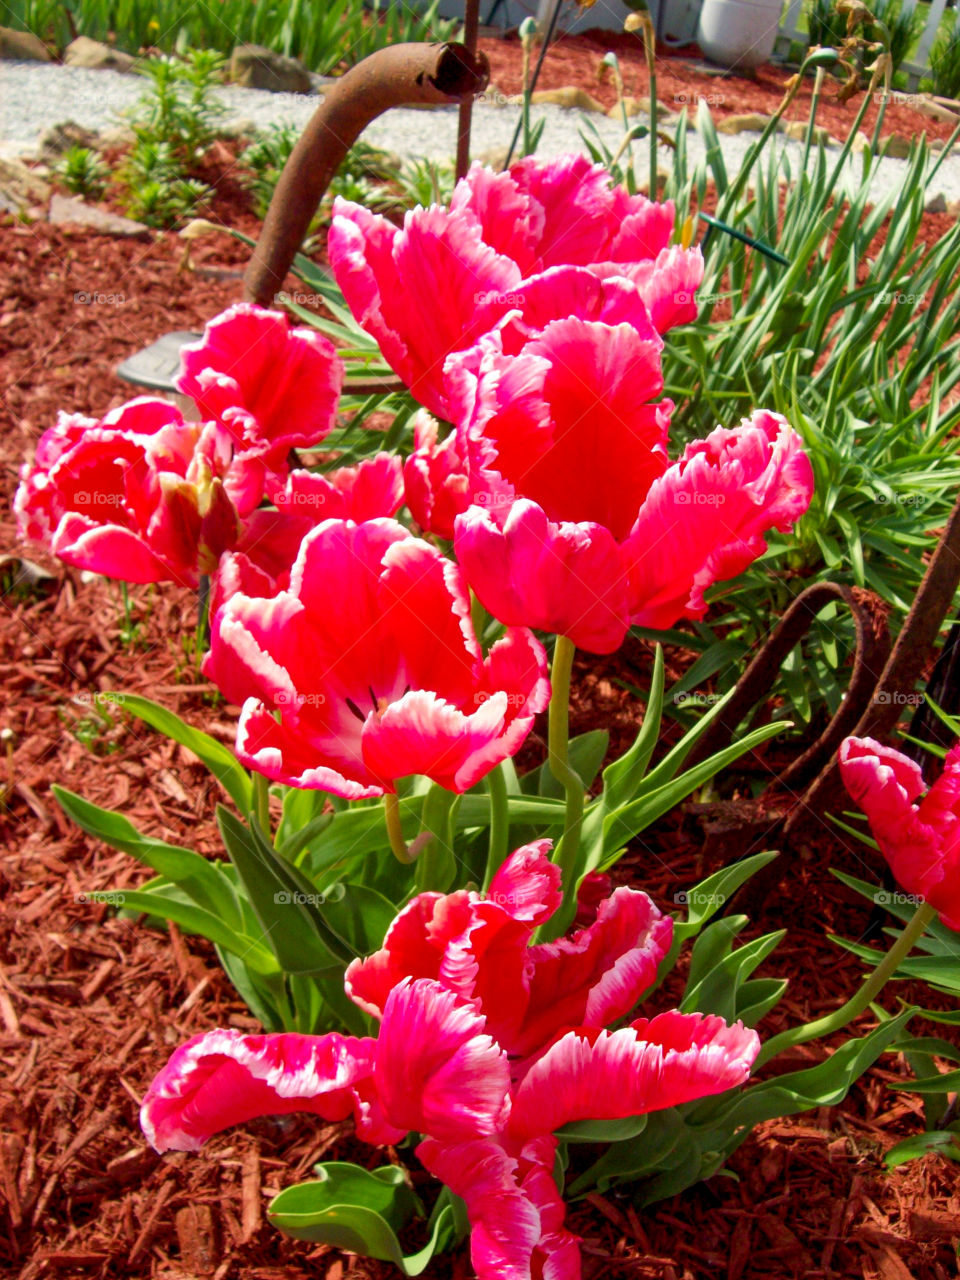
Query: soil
[[681, 81], [91, 1005]]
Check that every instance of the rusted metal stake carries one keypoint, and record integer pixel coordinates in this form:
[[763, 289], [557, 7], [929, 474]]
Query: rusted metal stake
[[471, 23], [899, 677], [398, 75]]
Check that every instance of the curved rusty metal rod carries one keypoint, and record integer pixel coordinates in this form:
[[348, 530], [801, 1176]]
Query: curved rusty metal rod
[[900, 674], [872, 648], [399, 75]]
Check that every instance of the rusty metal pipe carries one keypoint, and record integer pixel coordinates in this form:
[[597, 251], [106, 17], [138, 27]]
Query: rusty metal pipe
[[400, 75]]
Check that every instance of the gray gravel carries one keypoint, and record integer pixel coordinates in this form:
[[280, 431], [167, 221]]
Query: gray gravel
[[34, 96]]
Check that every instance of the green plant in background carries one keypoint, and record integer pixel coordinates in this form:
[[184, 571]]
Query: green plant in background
[[826, 27], [853, 341], [262, 161], [82, 171], [325, 36], [945, 62], [174, 123], [896, 27]]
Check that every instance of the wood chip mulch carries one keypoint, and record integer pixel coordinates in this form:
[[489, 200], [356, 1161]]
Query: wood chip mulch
[[91, 1005]]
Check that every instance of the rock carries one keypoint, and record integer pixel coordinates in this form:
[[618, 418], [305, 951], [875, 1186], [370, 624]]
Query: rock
[[953, 208], [111, 139], [570, 96], [493, 96], [638, 107], [936, 204], [750, 122], [234, 129], [96, 56], [950, 103], [23, 46], [20, 187], [934, 108], [861, 143], [897, 146], [61, 137], [66, 211], [797, 130], [256, 67], [495, 158]]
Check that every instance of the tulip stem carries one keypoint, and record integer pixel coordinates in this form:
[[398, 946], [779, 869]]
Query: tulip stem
[[391, 813], [499, 823], [871, 988], [558, 736], [261, 802]]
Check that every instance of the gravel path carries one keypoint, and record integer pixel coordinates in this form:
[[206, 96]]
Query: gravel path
[[34, 96]]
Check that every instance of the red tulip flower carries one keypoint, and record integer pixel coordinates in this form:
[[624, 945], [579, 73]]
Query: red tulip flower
[[487, 1046], [138, 495], [579, 525], [271, 388], [366, 669], [449, 275], [920, 841]]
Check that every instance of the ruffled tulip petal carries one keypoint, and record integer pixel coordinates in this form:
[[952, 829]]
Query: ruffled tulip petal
[[436, 478], [580, 292], [704, 521], [595, 976], [422, 291], [647, 1066], [668, 285], [920, 842], [373, 488], [561, 577], [111, 550], [270, 387], [527, 884], [224, 1078], [515, 1211], [437, 1070]]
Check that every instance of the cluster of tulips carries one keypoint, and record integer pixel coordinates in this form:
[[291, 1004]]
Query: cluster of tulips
[[527, 319]]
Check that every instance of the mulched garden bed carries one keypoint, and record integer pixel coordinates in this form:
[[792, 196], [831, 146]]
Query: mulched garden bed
[[91, 1005], [681, 81]]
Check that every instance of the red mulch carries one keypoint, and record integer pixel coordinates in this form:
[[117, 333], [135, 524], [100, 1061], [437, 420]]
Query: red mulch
[[576, 60], [90, 1006]]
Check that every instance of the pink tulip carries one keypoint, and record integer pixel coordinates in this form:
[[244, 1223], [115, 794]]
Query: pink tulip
[[704, 519], [139, 495], [920, 841], [435, 478], [436, 285], [487, 1045], [578, 524], [270, 388], [374, 487], [370, 659]]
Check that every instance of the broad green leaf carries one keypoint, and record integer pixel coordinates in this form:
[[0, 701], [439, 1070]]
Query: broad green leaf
[[199, 878], [219, 759], [941, 1142], [350, 1208]]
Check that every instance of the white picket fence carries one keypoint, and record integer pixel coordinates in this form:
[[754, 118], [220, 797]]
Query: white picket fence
[[790, 32]]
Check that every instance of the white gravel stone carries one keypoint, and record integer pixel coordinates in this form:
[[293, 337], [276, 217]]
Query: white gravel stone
[[34, 96]]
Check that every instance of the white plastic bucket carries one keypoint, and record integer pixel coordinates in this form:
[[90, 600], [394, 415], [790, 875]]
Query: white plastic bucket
[[739, 34]]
